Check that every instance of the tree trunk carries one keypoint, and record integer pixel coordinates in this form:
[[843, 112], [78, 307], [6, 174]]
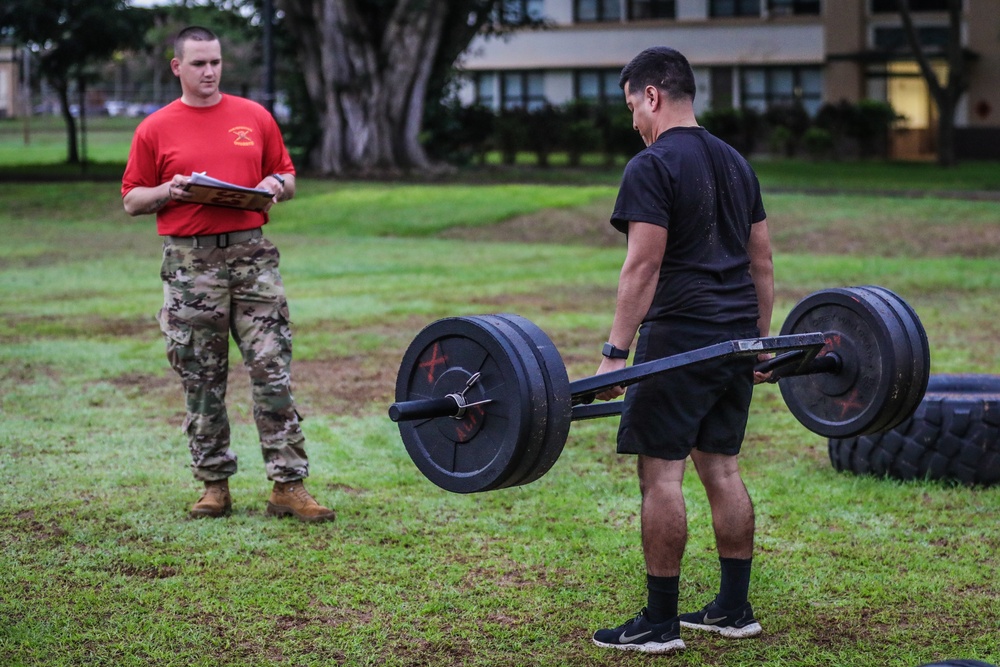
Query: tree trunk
[[72, 153], [946, 133], [368, 89], [947, 95]]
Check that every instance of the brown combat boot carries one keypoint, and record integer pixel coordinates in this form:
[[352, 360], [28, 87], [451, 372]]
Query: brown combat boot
[[215, 501], [291, 498]]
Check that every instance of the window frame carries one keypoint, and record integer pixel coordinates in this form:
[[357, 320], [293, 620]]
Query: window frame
[[528, 101], [602, 13], [526, 10], [795, 7], [772, 99], [671, 14], [916, 6], [605, 77], [741, 9]]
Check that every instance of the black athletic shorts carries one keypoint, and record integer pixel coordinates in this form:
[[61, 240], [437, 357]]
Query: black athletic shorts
[[703, 406]]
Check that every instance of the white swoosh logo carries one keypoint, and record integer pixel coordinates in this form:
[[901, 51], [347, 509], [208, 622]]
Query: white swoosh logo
[[625, 639], [712, 621]]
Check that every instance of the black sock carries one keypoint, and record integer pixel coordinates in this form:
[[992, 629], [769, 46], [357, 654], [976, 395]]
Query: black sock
[[735, 582], [661, 604]]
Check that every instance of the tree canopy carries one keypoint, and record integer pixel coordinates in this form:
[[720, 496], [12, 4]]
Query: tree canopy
[[369, 67], [67, 37]]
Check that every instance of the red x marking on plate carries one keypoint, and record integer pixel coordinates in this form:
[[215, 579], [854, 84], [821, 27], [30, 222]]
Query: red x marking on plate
[[432, 363]]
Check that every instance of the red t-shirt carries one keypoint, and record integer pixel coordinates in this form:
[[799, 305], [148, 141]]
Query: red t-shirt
[[236, 141]]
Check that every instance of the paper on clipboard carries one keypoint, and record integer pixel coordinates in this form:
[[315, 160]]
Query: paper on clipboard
[[212, 191]]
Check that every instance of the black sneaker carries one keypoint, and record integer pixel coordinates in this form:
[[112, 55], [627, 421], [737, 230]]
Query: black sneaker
[[641, 635], [734, 624]]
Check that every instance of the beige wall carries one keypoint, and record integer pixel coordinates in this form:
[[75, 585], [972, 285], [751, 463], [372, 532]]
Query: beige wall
[[844, 33], [10, 97], [983, 97], [704, 43]]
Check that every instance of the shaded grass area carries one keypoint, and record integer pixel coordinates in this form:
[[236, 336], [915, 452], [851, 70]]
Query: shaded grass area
[[99, 564], [38, 153]]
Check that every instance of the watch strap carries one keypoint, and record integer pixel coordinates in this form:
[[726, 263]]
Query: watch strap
[[612, 352]]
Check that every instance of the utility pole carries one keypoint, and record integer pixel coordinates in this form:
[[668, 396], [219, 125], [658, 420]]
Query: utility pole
[[26, 92], [268, 48]]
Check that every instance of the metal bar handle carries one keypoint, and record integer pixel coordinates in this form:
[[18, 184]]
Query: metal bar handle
[[584, 390]]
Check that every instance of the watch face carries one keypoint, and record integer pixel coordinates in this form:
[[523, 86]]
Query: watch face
[[613, 352]]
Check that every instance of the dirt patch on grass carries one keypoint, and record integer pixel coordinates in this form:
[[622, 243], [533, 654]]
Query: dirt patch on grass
[[28, 328], [893, 238], [334, 385], [589, 225], [580, 225], [345, 386]]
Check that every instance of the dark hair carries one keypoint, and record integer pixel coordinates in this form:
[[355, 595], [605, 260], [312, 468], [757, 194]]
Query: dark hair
[[663, 67], [194, 33]]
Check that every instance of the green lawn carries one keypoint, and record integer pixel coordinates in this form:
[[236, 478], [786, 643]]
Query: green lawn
[[100, 565]]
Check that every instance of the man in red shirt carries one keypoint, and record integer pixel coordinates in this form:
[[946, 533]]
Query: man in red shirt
[[220, 274]]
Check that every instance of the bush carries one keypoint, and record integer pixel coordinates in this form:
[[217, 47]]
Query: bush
[[737, 127], [545, 126], [818, 143], [871, 127], [788, 125], [582, 134], [457, 134], [867, 123], [460, 134], [618, 137], [511, 134], [581, 137]]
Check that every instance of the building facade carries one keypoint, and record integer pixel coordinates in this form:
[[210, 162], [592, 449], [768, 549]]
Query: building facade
[[10, 83], [752, 54]]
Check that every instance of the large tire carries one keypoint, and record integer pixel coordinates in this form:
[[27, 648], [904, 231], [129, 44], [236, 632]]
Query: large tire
[[954, 435]]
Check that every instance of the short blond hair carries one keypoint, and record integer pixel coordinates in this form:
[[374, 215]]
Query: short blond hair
[[193, 33]]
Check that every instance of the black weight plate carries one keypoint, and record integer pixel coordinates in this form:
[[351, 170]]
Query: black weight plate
[[558, 398], [899, 370], [855, 400], [920, 354], [439, 361], [533, 442]]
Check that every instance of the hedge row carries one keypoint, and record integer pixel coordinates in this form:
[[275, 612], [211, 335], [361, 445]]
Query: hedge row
[[463, 134]]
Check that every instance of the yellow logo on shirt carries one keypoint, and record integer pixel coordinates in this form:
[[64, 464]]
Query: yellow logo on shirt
[[242, 135]]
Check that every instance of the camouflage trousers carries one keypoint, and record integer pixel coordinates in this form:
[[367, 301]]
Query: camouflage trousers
[[209, 293]]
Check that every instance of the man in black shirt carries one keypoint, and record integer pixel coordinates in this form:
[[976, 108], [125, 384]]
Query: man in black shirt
[[697, 271]]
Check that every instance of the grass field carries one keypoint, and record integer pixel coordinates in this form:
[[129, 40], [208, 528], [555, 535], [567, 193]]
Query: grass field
[[99, 564]]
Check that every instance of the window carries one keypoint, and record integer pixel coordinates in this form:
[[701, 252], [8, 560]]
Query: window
[[522, 90], [894, 39], [517, 11], [651, 9], [486, 83], [587, 11], [765, 87], [720, 8], [600, 86], [793, 7], [721, 82], [890, 6]]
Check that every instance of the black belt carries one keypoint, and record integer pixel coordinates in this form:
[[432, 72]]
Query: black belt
[[216, 240]]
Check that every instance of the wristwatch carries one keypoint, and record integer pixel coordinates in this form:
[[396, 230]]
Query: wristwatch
[[279, 178], [612, 352]]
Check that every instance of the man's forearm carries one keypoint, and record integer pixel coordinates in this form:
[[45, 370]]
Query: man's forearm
[[635, 294], [762, 274], [143, 201]]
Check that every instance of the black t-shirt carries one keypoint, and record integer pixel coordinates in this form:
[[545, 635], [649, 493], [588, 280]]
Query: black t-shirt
[[707, 197]]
